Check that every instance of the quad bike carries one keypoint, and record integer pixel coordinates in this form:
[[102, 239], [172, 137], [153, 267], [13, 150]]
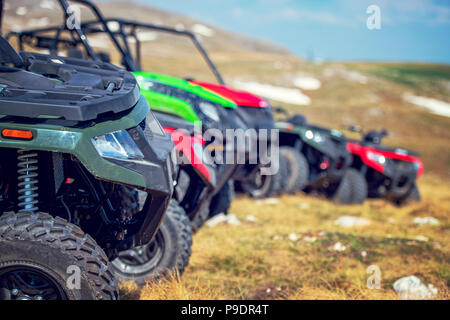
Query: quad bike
[[257, 114], [389, 173], [318, 161], [75, 137], [178, 105]]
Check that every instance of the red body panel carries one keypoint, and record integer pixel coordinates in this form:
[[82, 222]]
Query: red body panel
[[362, 152], [241, 98], [185, 143]]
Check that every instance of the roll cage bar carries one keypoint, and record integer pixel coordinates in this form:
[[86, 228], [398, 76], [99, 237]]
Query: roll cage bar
[[126, 29]]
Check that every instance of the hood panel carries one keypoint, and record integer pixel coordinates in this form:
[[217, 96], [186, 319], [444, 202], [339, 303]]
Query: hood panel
[[241, 98], [142, 77]]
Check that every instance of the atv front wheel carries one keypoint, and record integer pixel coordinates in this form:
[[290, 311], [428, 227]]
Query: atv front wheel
[[221, 202], [298, 170], [343, 192], [266, 186], [201, 217], [169, 251], [358, 185], [46, 258]]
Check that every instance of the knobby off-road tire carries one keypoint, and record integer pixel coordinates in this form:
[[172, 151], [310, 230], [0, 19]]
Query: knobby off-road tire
[[343, 193], [297, 170], [202, 216], [168, 252], [270, 185], [42, 249], [359, 186], [221, 202], [127, 199]]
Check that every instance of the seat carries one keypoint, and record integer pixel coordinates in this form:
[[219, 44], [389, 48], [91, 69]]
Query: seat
[[298, 120]]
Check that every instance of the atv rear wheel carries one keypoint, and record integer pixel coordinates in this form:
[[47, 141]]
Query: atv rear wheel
[[201, 217], [46, 258], [343, 192], [266, 186], [169, 251], [298, 170], [358, 185]]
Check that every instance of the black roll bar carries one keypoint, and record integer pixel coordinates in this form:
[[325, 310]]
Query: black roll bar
[[86, 28]]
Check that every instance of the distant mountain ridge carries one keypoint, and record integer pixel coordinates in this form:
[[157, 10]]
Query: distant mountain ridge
[[26, 14]]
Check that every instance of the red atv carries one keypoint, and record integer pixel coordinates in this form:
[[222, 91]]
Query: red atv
[[390, 173]]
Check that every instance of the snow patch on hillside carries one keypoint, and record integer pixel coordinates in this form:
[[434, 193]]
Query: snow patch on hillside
[[99, 41], [203, 30], [38, 23], [47, 4], [146, 36], [307, 83], [352, 76], [21, 11], [435, 106], [281, 94]]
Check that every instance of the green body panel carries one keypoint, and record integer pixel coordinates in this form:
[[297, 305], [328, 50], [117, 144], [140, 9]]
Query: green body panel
[[168, 104], [172, 105], [78, 142]]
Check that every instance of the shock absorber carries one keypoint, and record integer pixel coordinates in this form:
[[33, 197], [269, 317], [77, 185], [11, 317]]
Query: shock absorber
[[27, 185]]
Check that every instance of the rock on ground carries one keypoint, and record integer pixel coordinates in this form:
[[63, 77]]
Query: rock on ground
[[349, 221], [421, 221], [412, 288], [222, 218]]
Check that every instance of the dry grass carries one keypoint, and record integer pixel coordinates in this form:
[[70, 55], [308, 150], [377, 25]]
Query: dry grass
[[258, 260]]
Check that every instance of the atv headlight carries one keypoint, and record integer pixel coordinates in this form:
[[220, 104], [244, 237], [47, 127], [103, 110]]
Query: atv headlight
[[209, 110], [315, 136], [118, 145], [376, 157]]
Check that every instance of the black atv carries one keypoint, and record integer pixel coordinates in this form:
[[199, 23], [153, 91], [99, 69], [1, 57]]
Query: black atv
[[389, 173], [318, 161], [74, 139]]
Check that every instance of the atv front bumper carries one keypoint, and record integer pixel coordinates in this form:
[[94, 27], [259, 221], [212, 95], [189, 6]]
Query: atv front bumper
[[399, 178], [331, 167], [153, 173]]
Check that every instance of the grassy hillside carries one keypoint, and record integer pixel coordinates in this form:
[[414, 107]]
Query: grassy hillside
[[289, 252]]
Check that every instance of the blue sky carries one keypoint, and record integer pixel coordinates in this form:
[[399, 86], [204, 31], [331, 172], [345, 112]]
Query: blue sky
[[411, 30]]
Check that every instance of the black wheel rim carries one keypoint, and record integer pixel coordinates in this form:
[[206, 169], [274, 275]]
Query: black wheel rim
[[258, 184], [140, 261], [23, 282]]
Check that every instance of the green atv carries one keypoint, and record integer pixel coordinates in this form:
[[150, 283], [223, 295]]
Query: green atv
[[75, 137]]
